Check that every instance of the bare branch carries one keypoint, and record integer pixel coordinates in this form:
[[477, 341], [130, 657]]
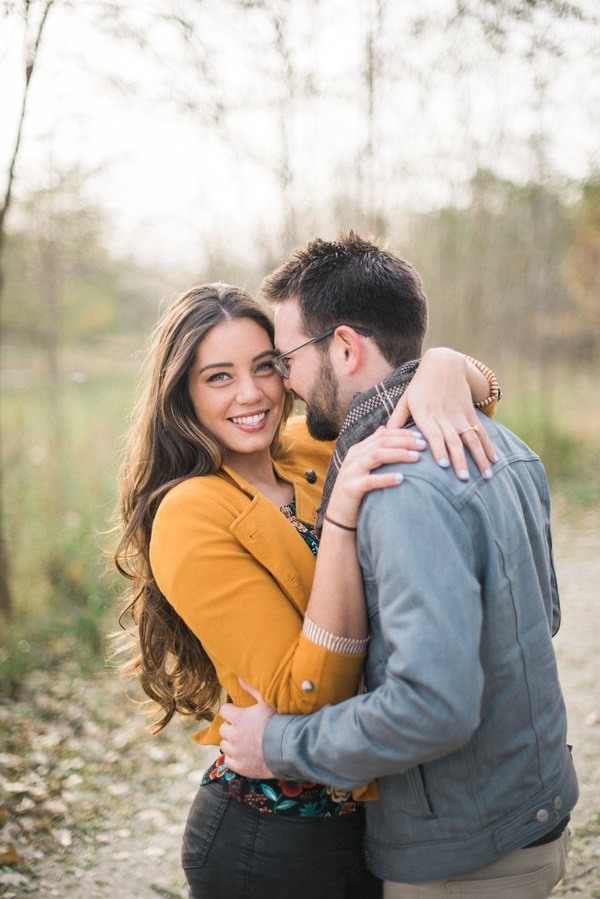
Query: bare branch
[[30, 61]]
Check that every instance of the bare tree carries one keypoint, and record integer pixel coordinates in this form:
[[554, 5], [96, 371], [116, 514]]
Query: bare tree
[[372, 73], [35, 17]]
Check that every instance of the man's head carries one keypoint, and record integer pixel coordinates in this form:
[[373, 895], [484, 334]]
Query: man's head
[[370, 300]]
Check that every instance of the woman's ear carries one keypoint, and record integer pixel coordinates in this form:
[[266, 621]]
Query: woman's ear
[[346, 349]]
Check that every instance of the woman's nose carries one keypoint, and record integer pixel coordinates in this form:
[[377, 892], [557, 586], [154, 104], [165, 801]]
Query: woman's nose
[[248, 391]]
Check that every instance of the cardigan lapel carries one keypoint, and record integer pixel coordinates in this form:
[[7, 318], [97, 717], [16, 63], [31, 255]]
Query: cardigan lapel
[[280, 549]]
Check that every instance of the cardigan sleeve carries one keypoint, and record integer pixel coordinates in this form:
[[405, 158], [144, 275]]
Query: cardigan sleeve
[[238, 610]]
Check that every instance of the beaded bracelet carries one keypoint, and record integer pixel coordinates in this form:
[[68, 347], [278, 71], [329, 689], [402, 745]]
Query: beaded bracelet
[[495, 392]]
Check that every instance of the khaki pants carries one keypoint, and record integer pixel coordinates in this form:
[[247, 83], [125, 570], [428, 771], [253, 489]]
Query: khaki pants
[[525, 874]]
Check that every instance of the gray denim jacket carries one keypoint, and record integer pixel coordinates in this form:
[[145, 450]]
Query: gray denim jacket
[[464, 723]]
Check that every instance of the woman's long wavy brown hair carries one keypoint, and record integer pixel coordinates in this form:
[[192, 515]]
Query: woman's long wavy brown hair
[[167, 444]]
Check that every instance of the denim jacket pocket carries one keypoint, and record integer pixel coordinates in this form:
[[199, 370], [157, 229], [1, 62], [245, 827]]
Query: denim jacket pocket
[[422, 791], [404, 805]]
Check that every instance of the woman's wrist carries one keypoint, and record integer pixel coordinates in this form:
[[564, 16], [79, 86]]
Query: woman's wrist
[[339, 524], [494, 389], [481, 380]]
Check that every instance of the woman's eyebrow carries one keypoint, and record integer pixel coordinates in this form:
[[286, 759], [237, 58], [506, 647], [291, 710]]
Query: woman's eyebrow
[[230, 364], [216, 365]]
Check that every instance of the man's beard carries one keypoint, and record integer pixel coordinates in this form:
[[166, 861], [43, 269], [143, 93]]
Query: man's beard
[[322, 410]]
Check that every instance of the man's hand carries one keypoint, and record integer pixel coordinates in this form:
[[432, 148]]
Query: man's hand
[[242, 736]]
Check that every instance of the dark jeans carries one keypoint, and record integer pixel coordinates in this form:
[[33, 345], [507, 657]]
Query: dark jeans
[[231, 851]]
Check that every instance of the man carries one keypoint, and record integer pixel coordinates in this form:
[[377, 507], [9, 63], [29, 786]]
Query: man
[[463, 723]]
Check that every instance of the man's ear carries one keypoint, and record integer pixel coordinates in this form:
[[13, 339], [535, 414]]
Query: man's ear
[[347, 349]]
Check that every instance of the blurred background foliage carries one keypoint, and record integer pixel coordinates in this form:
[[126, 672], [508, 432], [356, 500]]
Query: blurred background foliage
[[511, 264]]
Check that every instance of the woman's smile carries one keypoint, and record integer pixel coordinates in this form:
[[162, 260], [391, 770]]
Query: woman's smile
[[251, 422]]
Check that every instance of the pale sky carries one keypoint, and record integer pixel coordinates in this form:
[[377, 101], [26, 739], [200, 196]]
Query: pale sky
[[171, 184]]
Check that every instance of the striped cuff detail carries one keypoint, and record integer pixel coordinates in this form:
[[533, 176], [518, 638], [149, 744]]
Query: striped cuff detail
[[348, 646]]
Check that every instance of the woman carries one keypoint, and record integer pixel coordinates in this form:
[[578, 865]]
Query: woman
[[218, 508]]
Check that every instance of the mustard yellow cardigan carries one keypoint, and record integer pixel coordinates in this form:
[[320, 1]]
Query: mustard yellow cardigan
[[240, 575]]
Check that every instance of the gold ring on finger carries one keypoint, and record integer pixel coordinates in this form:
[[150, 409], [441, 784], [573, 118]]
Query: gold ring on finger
[[470, 428]]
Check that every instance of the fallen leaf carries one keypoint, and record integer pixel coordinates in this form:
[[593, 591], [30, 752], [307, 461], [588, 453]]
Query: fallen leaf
[[16, 787], [119, 789], [56, 808], [13, 879], [63, 837], [11, 857], [73, 781], [26, 805]]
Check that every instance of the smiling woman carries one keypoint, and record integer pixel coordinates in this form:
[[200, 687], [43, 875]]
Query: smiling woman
[[218, 508], [237, 394]]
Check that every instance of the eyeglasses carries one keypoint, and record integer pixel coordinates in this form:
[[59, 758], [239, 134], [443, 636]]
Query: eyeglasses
[[280, 364]]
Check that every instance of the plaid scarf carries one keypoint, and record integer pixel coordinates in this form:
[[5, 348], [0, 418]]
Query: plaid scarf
[[366, 413]]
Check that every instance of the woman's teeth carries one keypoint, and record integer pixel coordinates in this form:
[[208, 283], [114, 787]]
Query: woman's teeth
[[249, 419]]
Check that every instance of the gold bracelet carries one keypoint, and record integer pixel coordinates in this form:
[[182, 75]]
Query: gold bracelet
[[344, 527], [495, 392]]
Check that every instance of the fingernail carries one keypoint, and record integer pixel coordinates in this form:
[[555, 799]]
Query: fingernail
[[399, 478], [414, 454], [444, 463], [488, 473], [417, 433], [495, 457], [463, 474], [421, 444]]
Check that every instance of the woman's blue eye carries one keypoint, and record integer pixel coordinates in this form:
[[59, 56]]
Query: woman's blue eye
[[265, 367]]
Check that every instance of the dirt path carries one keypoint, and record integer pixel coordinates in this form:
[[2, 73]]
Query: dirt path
[[577, 551], [95, 807], [99, 807]]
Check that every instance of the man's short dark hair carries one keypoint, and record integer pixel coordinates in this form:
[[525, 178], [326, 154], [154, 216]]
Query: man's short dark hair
[[355, 281]]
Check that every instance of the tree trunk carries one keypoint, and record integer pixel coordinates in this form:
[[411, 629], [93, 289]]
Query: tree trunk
[[6, 604], [6, 599]]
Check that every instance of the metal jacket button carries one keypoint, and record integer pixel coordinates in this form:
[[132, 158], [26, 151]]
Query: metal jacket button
[[310, 475], [542, 815], [308, 686]]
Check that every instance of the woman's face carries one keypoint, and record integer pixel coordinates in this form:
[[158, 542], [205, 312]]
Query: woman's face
[[234, 391]]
